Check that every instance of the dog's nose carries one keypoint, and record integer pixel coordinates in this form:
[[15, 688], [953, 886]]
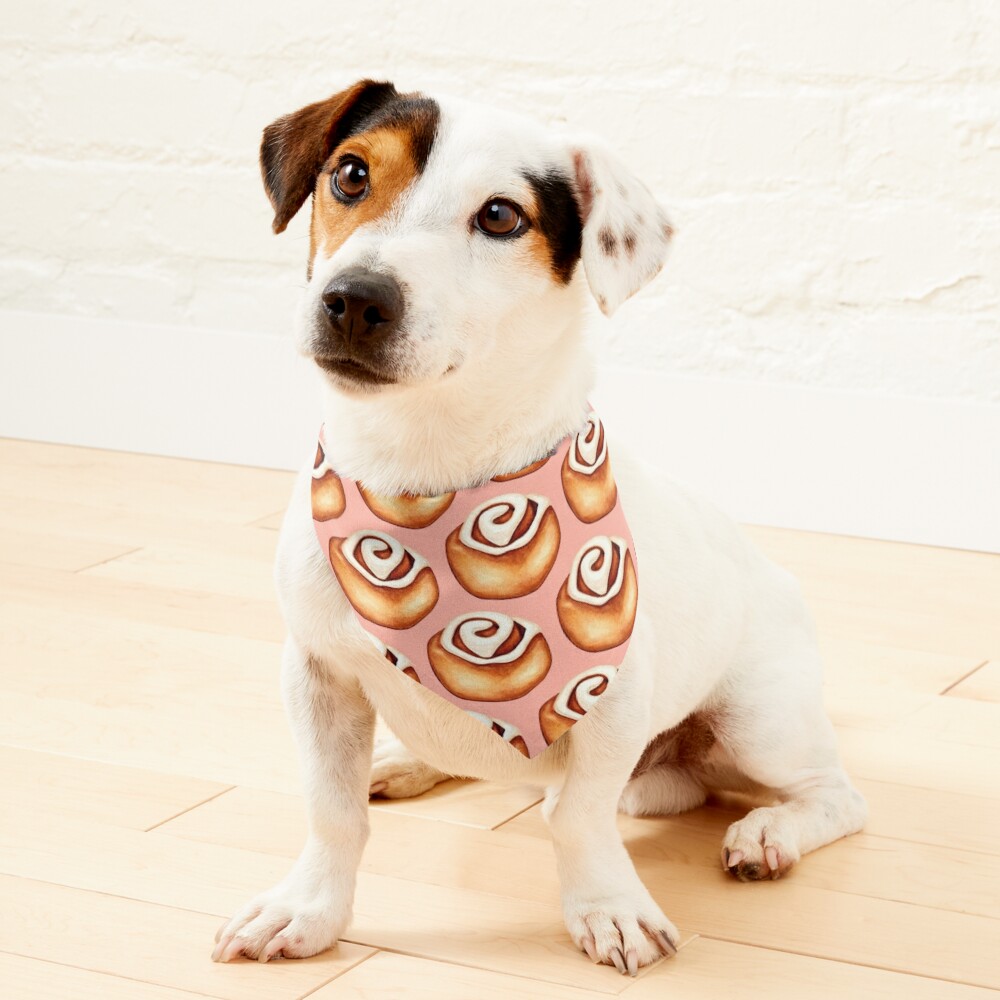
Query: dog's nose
[[363, 307]]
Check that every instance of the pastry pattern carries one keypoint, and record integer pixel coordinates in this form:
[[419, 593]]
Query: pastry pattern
[[586, 473], [597, 602], [327, 490], [514, 600], [489, 656], [505, 547], [574, 701], [508, 733]]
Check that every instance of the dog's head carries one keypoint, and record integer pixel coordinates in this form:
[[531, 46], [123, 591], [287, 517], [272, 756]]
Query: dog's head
[[442, 231]]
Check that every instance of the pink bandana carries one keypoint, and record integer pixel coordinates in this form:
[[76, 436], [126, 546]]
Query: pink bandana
[[514, 600]]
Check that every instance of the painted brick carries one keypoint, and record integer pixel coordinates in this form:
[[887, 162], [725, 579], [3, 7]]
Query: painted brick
[[831, 167]]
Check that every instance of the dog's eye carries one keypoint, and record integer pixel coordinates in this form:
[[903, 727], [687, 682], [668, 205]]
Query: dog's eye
[[350, 179], [499, 217]]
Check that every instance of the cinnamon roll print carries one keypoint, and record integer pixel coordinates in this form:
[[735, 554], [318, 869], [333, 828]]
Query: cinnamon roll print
[[395, 657], [327, 490], [407, 510], [574, 701], [586, 473], [489, 656], [505, 547], [386, 582], [508, 733], [597, 602]]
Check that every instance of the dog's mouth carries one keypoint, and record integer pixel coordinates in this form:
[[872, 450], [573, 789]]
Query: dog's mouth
[[353, 371]]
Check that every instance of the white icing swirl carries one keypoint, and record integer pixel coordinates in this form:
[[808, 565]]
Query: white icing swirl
[[504, 729], [589, 450], [480, 636], [393, 655], [498, 518], [322, 465], [585, 689], [590, 579], [377, 556]]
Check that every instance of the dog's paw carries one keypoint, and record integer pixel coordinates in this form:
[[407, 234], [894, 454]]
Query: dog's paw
[[622, 932], [397, 774], [282, 923], [762, 845]]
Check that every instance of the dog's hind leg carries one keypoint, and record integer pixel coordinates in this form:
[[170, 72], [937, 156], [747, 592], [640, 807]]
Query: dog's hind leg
[[778, 736], [667, 779], [397, 774]]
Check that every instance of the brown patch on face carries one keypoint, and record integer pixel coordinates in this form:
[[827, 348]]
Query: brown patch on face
[[608, 242], [294, 148], [628, 240], [392, 155], [556, 231]]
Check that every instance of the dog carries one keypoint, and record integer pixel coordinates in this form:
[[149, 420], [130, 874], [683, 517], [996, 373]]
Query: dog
[[451, 250]]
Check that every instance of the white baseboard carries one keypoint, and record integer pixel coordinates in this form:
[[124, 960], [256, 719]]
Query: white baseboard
[[903, 468]]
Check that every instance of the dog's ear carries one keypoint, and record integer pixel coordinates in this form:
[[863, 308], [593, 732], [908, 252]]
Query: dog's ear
[[295, 147], [626, 233]]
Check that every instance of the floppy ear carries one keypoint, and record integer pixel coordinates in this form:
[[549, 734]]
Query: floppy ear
[[626, 233], [295, 147]]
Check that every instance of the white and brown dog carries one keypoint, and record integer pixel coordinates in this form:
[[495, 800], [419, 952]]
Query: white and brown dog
[[443, 310]]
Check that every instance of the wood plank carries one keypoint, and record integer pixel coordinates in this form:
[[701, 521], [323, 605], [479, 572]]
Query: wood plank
[[708, 969], [966, 721], [904, 596], [89, 790], [930, 816], [871, 706], [463, 925], [126, 692], [33, 979], [128, 735], [919, 761], [121, 481], [272, 522], [275, 823], [137, 602], [851, 663], [239, 562], [983, 685], [390, 975], [90, 930], [55, 549]]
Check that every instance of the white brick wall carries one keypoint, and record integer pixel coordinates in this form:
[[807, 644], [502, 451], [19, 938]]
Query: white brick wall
[[833, 167]]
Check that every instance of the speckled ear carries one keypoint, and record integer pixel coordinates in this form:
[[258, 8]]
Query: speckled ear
[[626, 233]]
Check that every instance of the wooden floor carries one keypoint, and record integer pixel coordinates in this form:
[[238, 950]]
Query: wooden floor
[[149, 782]]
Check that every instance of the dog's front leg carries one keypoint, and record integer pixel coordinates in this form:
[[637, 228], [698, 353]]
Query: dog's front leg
[[308, 910], [609, 912]]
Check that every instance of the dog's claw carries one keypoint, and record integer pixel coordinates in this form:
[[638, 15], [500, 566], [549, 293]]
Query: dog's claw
[[734, 858], [590, 948], [223, 942], [632, 962], [666, 945], [619, 960], [771, 857]]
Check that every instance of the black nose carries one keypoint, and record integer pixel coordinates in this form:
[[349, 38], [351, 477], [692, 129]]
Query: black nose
[[362, 308]]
